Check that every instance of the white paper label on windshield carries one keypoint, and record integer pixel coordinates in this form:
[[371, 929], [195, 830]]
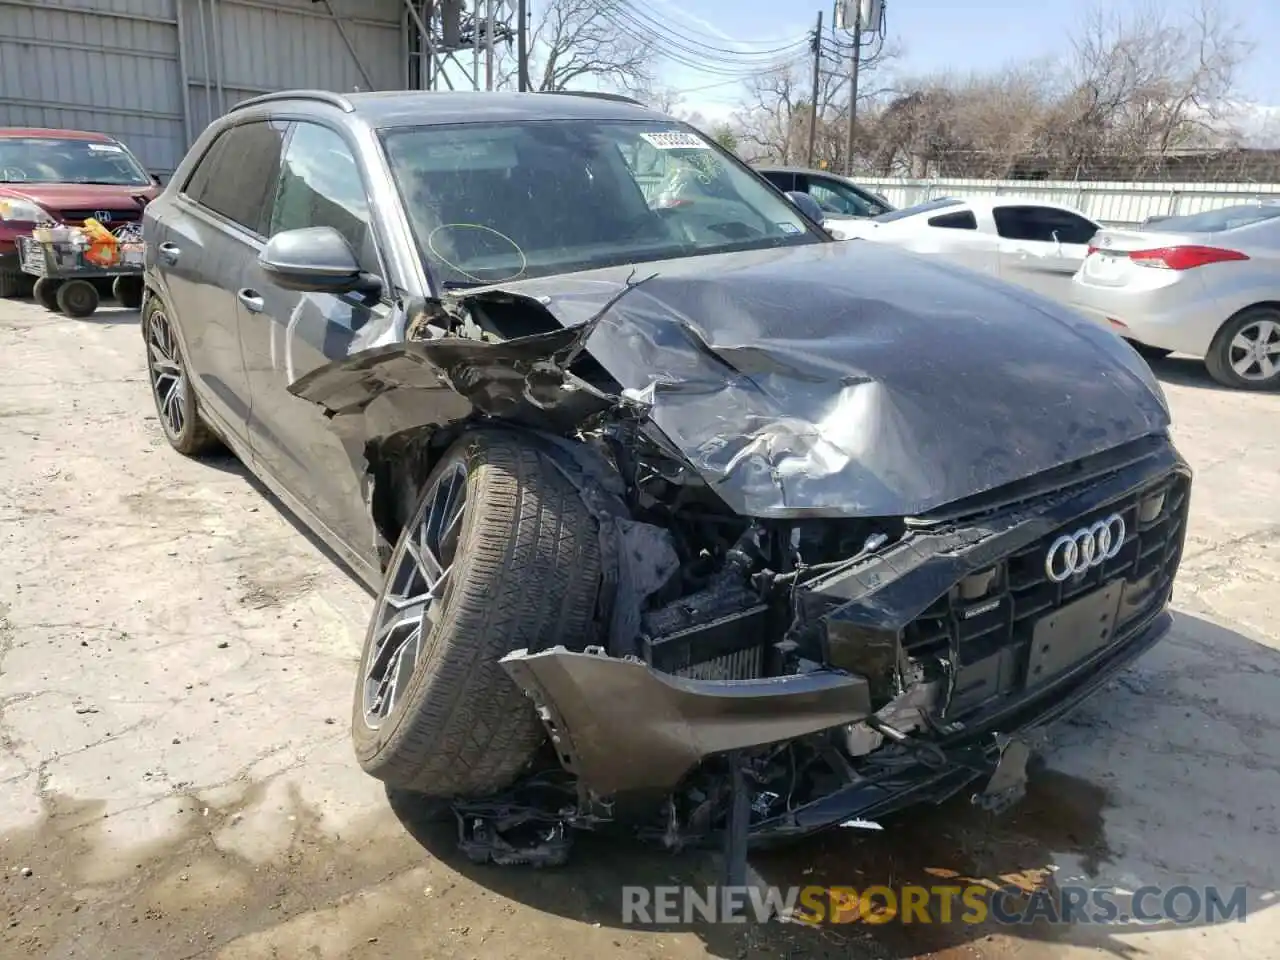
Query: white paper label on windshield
[[675, 140], [104, 148], [788, 227]]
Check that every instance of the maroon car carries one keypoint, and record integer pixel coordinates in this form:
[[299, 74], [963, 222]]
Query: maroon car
[[66, 176]]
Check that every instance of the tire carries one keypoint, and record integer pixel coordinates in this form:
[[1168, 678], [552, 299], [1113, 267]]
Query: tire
[[77, 298], [188, 434], [46, 293], [1223, 349], [10, 283], [525, 574], [128, 292]]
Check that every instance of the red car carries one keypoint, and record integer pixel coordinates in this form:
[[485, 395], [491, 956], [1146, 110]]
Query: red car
[[66, 176]]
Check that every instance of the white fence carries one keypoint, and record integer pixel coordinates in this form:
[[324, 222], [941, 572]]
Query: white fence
[[1109, 203]]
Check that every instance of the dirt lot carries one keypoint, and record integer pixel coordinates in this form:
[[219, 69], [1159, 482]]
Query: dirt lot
[[176, 780]]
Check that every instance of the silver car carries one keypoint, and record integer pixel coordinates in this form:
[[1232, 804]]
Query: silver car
[[1205, 284], [1024, 241]]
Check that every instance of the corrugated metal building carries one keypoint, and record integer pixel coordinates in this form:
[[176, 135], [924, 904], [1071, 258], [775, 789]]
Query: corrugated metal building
[[153, 73]]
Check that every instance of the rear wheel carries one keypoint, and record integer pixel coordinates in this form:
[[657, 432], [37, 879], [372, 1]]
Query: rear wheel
[[171, 387], [501, 554], [1245, 354], [10, 283]]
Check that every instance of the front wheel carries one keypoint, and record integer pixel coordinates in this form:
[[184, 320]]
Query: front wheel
[[1245, 354], [501, 554]]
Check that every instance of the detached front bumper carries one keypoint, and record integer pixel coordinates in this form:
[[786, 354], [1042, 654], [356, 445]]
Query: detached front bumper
[[620, 725]]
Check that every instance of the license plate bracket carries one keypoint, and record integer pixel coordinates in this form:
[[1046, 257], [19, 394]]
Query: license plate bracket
[[1073, 632]]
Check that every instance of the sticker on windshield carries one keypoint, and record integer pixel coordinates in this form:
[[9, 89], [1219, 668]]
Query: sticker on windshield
[[675, 140], [788, 228], [105, 148]]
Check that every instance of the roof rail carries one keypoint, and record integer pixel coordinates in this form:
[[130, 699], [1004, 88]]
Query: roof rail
[[321, 96], [597, 95]]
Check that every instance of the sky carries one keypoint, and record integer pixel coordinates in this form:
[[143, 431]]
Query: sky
[[938, 35]]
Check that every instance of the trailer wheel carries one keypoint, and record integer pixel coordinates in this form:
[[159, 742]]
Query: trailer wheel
[[128, 292], [78, 298], [46, 293]]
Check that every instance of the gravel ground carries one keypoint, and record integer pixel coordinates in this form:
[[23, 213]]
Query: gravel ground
[[176, 781]]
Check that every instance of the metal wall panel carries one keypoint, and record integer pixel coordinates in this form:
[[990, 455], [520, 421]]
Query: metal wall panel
[[109, 66], [1110, 203], [155, 72]]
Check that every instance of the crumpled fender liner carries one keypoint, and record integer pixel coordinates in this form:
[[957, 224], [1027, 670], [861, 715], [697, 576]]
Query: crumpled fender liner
[[620, 726]]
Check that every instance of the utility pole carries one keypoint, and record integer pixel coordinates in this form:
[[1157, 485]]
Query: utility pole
[[817, 79], [853, 85], [522, 45]]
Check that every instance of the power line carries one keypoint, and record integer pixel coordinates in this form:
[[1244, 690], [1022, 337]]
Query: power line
[[689, 57], [702, 40], [638, 27]]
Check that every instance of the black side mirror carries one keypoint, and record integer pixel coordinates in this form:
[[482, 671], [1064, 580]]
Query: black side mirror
[[155, 178], [315, 260], [807, 205]]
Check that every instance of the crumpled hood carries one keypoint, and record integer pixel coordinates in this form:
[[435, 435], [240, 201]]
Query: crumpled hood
[[849, 379]]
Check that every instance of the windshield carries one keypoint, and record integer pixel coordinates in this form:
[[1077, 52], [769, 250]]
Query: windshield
[[490, 203], [1215, 221], [938, 204], [52, 160]]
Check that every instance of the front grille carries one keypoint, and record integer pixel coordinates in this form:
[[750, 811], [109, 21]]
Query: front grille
[[118, 216], [987, 640]]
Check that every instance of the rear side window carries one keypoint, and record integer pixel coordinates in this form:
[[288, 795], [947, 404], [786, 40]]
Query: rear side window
[[964, 220], [783, 181], [236, 178], [321, 186], [1041, 223]]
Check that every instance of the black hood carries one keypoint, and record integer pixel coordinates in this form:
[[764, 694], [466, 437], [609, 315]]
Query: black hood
[[856, 379], [833, 379]]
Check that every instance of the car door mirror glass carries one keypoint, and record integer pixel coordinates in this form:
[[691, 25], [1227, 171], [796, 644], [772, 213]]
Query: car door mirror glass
[[314, 260], [806, 205]]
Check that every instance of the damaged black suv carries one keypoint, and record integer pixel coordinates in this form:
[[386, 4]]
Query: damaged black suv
[[680, 513]]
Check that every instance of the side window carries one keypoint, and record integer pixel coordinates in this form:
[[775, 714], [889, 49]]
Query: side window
[[837, 198], [321, 186], [964, 220], [1040, 224], [237, 177]]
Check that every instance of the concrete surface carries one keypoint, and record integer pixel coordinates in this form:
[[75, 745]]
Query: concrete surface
[[176, 781]]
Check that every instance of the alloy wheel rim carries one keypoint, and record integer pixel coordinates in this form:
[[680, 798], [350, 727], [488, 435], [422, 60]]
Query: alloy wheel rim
[[417, 586], [168, 376], [1254, 353]]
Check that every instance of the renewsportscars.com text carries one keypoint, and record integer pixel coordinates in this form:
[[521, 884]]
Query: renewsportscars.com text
[[936, 904]]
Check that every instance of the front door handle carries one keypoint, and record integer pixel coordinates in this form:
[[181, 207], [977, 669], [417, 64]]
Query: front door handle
[[251, 299], [169, 252]]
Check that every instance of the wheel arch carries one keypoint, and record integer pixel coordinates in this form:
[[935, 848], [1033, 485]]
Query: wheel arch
[[398, 466]]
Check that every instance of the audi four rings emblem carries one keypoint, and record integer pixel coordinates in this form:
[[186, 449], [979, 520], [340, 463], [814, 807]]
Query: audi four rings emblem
[[1074, 553]]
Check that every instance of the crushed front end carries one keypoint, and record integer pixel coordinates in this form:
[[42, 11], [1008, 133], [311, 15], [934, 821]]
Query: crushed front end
[[827, 671]]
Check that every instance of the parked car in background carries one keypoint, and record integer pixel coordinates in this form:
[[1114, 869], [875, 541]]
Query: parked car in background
[[65, 176], [839, 197], [1207, 284], [1028, 242]]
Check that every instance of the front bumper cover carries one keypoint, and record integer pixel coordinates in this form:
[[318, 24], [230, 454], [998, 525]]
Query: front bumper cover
[[620, 725]]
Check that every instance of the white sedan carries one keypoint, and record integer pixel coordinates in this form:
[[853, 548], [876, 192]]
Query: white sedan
[[1028, 242]]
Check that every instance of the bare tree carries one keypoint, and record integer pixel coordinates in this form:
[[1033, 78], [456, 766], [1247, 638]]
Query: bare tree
[[576, 44]]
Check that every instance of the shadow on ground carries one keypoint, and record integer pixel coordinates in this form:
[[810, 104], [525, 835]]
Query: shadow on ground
[[1014, 857]]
